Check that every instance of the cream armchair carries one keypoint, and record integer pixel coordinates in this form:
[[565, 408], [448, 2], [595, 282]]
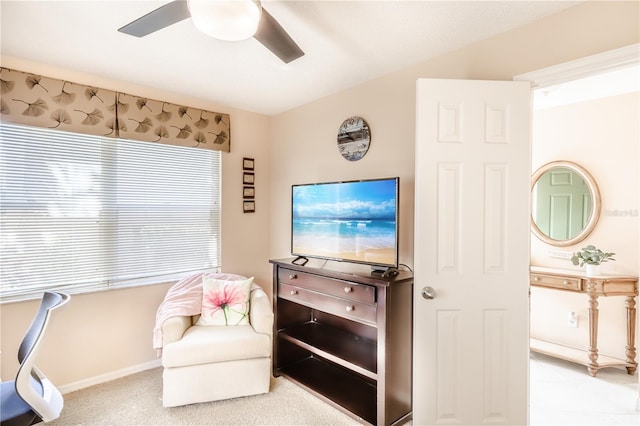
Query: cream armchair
[[211, 362]]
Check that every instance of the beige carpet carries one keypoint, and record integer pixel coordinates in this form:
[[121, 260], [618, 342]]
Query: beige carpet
[[561, 393], [136, 400]]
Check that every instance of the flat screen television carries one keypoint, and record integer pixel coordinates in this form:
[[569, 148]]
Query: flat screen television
[[353, 221]]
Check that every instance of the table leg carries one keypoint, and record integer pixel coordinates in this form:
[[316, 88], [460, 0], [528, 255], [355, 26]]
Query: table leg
[[630, 349], [593, 334]]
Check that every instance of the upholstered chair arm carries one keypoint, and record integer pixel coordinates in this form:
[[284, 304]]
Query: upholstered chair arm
[[173, 329], [260, 312]]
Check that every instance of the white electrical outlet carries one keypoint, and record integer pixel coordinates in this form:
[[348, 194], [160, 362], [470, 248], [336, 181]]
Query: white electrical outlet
[[572, 320]]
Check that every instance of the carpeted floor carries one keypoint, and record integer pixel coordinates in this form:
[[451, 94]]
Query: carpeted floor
[[561, 393], [136, 400]]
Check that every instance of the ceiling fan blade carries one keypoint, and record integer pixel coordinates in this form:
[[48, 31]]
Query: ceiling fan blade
[[157, 19], [271, 34]]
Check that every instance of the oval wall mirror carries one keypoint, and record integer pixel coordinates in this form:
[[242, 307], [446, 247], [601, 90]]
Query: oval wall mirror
[[565, 203]]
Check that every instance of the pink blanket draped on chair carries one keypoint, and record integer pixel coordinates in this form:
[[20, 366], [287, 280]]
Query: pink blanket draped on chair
[[184, 298]]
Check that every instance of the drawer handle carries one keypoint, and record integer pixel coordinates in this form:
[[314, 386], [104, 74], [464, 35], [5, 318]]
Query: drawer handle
[[348, 289], [294, 292], [350, 308], [565, 282], [293, 276], [536, 278]]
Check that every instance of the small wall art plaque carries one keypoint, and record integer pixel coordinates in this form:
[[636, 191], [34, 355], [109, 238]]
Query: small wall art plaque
[[248, 206]]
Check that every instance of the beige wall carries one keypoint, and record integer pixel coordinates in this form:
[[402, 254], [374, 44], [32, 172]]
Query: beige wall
[[601, 135], [304, 139], [101, 335], [295, 147]]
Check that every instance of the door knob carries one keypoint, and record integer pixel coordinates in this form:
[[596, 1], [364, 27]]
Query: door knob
[[428, 293]]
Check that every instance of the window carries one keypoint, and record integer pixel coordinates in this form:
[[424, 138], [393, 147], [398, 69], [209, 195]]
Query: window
[[80, 212]]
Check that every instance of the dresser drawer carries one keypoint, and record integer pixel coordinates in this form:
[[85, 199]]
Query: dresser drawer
[[565, 283], [345, 290], [334, 305]]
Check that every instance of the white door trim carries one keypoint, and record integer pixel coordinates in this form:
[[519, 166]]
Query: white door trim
[[583, 67]]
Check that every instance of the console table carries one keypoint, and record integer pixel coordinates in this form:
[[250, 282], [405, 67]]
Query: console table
[[592, 287], [346, 338]]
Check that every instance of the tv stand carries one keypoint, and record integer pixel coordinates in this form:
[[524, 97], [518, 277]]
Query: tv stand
[[346, 338]]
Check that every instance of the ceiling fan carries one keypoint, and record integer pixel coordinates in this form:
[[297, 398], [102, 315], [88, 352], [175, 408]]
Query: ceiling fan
[[269, 32]]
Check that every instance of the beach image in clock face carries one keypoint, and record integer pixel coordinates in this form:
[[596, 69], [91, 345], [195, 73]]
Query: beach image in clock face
[[354, 138]]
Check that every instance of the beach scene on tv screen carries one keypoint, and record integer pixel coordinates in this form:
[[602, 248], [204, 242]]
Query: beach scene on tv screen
[[353, 221]]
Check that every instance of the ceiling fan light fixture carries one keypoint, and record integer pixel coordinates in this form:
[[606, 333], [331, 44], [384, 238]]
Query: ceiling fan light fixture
[[230, 20]]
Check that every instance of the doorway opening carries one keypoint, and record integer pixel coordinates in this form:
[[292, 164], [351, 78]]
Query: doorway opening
[[587, 112]]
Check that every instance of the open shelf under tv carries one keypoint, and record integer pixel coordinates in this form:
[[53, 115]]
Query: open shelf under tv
[[334, 344], [337, 385]]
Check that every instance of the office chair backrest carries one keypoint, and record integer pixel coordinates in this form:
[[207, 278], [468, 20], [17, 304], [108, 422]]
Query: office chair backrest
[[50, 301], [31, 385]]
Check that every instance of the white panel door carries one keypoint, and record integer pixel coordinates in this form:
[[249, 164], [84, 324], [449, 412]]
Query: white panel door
[[473, 171]]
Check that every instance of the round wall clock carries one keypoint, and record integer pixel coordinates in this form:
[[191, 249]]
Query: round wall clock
[[354, 138]]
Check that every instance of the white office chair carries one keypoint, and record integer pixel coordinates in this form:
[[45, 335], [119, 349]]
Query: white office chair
[[31, 397]]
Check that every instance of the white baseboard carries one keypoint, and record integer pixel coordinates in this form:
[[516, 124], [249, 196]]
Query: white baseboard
[[107, 377]]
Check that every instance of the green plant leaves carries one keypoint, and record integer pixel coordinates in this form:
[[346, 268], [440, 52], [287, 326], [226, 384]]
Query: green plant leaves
[[590, 255]]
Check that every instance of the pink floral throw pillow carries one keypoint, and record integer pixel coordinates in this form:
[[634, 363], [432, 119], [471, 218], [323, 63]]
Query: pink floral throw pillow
[[225, 302]]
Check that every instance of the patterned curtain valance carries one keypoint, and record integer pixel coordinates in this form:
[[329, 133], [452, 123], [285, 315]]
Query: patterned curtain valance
[[157, 121], [46, 102], [40, 101]]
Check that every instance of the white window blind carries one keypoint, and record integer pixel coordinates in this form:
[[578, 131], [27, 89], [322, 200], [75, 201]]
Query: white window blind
[[80, 212]]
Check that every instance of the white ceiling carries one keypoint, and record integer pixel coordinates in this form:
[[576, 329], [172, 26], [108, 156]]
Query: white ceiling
[[346, 43]]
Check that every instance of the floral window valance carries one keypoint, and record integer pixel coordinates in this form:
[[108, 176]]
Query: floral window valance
[[40, 101]]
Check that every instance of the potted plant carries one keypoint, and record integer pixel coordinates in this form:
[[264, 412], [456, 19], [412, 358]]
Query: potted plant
[[592, 257]]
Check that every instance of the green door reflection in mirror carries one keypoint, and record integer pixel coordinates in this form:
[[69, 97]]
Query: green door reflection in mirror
[[565, 203]]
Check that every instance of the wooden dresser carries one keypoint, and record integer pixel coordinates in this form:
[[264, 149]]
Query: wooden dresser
[[592, 287], [346, 338]]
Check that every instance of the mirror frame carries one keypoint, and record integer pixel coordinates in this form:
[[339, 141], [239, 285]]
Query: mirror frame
[[595, 208]]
